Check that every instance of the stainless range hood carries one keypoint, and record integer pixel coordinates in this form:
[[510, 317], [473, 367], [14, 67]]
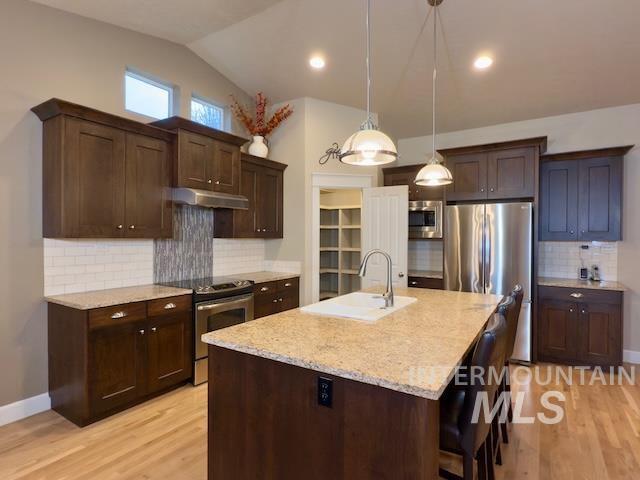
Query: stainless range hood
[[205, 198]]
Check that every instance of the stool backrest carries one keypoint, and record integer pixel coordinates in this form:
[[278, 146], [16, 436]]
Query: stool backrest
[[487, 367], [511, 312]]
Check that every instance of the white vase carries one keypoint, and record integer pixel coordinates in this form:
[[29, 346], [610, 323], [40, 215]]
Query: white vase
[[258, 147]]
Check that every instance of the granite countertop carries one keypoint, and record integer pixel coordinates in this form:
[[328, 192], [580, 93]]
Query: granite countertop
[[414, 350], [426, 273], [263, 277], [576, 283], [116, 296]]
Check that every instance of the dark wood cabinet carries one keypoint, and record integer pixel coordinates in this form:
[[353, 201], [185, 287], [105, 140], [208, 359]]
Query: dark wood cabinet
[[580, 326], [581, 195], [497, 171], [275, 297], [169, 350], [405, 176], [558, 200], [148, 212], [262, 182], [107, 359], [206, 158], [425, 282], [103, 176], [116, 366]]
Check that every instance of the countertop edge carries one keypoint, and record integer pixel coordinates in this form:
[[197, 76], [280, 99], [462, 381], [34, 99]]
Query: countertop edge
[[612, 286], [348, 374], [135, 298]]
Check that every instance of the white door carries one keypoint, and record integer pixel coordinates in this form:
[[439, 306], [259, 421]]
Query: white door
[[385, 225]]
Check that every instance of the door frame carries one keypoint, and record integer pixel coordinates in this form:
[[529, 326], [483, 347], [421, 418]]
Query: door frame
[[334, 181]]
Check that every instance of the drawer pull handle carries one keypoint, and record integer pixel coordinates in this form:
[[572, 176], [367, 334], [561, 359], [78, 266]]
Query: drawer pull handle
[[118, 315], [280, 300], [275, 300], [264, 289], [577, 295], [288, 284], [141, 332], [414, 283], [169, 306], [153, 329]]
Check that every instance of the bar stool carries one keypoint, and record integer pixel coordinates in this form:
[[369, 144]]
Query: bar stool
[[458, 433]]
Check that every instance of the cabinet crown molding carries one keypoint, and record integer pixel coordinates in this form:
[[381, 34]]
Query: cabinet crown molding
[[540, 142], [176, 123], [593, 153]]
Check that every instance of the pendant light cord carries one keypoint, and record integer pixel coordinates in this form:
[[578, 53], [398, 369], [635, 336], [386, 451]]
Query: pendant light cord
[[369, 123], [435, 74]]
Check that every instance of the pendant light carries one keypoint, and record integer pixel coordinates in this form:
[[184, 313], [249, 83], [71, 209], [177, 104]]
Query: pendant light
[[368, 146], [434, 173]]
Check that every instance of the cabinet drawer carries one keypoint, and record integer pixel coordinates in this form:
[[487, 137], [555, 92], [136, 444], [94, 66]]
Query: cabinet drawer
[[580, 295], [424, 282], [290, 284], [170, 305], [266, 288], [117, 315]]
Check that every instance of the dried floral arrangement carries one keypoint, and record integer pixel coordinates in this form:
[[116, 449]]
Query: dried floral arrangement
[[259, 125]]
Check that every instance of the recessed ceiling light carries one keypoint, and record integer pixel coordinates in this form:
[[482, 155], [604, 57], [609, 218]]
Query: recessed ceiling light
[[317, 62], [483, 62]]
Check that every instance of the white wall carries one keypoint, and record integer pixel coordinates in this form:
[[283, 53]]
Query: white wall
[[46, 53], [299, 143], [578, 131]]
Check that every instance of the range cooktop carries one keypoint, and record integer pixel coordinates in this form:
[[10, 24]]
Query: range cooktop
[[211, 285]]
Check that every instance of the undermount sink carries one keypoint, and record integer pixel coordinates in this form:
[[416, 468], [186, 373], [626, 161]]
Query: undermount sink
[[358, 305]]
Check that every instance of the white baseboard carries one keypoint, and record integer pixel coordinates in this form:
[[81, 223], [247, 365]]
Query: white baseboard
[[24, 408], [631, 356]]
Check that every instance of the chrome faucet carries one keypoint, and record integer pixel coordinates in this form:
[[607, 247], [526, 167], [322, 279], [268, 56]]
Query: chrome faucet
[[388, 295]]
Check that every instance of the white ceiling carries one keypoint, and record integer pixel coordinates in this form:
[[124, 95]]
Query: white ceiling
[[551, 57]]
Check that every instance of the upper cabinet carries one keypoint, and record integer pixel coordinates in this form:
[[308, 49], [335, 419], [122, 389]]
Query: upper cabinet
[[498, 171], [104, 176], [261, 181], [405, 176], [206, 158], [581, 195]]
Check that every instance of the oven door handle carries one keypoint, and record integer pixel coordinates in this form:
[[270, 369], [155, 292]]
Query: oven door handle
[[225, 303]]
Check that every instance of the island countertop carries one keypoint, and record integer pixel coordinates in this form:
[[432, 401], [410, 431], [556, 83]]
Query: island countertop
[[414, 350]]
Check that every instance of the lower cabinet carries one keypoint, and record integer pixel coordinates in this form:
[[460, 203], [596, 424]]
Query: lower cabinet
[[276, 297], [425, 282], [104, 360], [580, 326]]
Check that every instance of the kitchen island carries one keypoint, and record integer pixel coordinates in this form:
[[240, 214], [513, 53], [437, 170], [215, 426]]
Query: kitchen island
[[302, 396]]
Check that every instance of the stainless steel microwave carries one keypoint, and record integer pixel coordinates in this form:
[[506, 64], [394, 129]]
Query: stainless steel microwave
[[425, 219]]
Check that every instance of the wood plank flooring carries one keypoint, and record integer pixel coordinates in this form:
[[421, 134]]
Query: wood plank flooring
[[599, 439]]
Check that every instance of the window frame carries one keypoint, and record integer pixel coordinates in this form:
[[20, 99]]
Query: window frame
[[206, 101], [154, 81]]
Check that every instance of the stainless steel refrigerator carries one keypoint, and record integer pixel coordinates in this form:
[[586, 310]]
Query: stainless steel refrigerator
[[488, 248]]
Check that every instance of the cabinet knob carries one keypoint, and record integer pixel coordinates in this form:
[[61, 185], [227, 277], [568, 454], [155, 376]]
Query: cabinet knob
[[577, 295], [275, 300], [132, 227], [209, 181], [217, 182], [571, 310], [401, 275], [584, 311], [413, 283], [141, 332], [153, 329], [571, 232], [264, 289], [482, 189], [119, 227], [493, 190], [287, 284], [279, 299]]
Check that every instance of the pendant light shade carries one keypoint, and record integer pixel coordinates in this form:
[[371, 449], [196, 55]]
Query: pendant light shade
[[368, 146], [434, 173]]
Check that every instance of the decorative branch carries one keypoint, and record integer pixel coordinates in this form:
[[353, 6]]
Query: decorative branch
[[257, 125]]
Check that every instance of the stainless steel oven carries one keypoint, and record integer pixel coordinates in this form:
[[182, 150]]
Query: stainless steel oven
[[425, 219], [213, 315]]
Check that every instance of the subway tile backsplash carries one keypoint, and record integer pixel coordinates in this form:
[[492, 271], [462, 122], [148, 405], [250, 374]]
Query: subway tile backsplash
[[232, 256], [425, 255], [75, 265], [564, 259]]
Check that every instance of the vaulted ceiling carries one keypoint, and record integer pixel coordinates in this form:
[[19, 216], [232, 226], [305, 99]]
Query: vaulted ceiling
[[551, 57]]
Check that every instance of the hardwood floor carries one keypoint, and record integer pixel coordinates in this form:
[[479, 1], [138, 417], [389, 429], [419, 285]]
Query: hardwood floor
[[599, 439]]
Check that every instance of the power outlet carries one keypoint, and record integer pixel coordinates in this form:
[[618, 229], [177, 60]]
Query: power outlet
[[325, 392]]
